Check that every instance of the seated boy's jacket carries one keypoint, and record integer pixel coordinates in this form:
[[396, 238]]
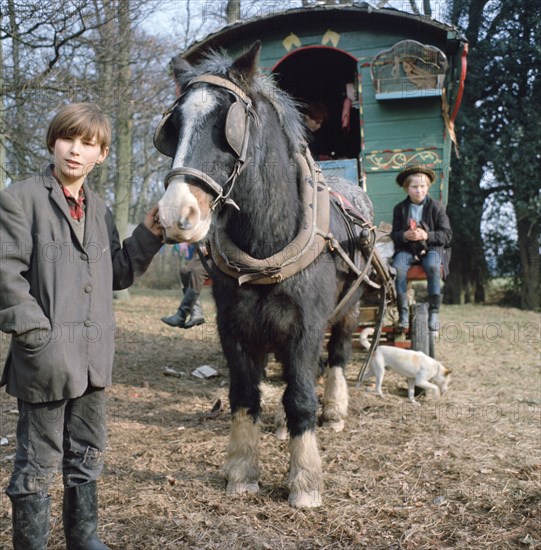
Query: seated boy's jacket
[[434, 220], [56, 292]]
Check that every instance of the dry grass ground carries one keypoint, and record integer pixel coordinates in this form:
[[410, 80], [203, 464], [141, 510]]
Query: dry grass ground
[[463, 472]]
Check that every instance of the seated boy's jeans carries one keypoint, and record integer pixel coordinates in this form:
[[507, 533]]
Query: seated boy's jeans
[[71, 433], [431, 263]]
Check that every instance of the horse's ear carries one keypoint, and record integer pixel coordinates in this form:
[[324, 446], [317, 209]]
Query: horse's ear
[[178, 66], [246, 65]]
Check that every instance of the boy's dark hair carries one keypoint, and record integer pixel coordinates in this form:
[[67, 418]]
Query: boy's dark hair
[[83, 120]]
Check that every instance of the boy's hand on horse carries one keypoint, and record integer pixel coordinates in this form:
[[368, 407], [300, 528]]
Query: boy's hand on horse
[[152, 222]]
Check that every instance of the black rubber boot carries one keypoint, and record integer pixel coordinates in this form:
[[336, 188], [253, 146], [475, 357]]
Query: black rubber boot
[[434, 302], [403, 311], [80, 514], [196, 317], [184, 310], [30, 522]]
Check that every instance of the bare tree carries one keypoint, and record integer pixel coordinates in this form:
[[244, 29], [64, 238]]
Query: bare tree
[[232, 11]]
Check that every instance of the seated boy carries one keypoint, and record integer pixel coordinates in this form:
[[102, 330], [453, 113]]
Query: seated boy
[[420, 232], [60, 261]]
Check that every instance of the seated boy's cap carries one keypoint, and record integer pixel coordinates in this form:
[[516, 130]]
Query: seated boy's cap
[[418, 169]]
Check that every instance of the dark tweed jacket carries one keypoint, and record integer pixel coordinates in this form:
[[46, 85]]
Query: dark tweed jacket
[[56, 291], [439, 229]]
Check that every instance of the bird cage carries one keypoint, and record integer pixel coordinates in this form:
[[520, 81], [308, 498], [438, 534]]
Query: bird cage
[[409, 69]]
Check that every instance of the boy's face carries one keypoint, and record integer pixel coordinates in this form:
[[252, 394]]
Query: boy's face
[[75, 157], [313, 124], [417, 188]]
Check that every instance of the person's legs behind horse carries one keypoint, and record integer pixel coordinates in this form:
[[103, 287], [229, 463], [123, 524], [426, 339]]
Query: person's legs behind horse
[[198, 276], [190, 312]]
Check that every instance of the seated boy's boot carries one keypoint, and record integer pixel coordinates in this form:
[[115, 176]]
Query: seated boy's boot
[[196, 317], [434, 302], [403, 311], [80, 513], [30, 522], [184, 310]]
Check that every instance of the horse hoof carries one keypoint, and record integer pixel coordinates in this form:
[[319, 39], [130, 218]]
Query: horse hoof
[[242, 488], [336, 426], [281, 433], [304, 499]]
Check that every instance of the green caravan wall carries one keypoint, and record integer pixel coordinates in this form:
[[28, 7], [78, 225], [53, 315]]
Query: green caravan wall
[[397, 131]]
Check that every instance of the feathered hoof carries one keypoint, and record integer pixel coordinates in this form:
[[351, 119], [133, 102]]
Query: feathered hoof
[[304, 499], [237, 488], [281, 433], [335, 426]]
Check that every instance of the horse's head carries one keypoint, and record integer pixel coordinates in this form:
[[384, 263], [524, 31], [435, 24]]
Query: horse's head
[[206, 132]]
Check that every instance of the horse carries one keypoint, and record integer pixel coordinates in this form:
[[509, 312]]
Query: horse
[[242, 177]]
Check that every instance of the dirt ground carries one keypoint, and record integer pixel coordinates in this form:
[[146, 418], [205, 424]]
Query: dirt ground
[[463, 472]]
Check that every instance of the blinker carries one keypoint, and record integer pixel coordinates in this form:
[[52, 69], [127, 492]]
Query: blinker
[[235, 126], [165, 137]]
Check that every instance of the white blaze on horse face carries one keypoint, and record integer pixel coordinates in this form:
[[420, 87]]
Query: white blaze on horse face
[[182, 213]]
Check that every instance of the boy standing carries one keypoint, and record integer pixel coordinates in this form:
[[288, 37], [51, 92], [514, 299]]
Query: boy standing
[[60, 259], [421, 231]]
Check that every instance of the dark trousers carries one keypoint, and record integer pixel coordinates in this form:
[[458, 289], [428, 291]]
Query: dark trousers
[[193, 275], [70, 433]]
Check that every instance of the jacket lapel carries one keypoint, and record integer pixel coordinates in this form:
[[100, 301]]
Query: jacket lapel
[[406, 212], [49, 181], [90, 212], [427, 210]]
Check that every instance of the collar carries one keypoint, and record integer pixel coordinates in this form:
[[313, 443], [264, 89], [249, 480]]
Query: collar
[[305, 247], [422, 203]]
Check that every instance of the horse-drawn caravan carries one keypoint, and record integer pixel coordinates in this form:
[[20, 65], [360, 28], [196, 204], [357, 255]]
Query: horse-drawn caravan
[[294, 251]]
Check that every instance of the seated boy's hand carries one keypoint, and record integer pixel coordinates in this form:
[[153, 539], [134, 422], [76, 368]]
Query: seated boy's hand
[[417, 234], [152, 222]]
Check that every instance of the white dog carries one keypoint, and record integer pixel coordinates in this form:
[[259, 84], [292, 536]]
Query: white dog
[[419, 369]]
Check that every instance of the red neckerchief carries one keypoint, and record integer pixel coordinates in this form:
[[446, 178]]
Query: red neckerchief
[[76, 205]]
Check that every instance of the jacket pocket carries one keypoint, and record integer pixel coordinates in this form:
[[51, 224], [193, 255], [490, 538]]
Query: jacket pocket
[[34, 340]]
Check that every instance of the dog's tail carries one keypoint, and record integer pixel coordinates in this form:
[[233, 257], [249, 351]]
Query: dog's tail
[[364, 337]]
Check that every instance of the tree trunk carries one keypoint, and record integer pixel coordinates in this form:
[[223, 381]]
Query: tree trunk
[[529, 231], [233, 11], [105, 65], [123, 176], [3, 167], [18, 138]]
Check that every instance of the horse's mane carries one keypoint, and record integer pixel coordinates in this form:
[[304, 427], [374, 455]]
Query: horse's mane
[[219, 63]]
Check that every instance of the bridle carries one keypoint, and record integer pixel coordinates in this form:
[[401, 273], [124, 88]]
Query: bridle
[[237, 129]]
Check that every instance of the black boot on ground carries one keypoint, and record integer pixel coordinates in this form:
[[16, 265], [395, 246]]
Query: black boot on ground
[[80, 514], [30, 522], [196, 318], [403, 311], [434, 302], [184, 310]]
